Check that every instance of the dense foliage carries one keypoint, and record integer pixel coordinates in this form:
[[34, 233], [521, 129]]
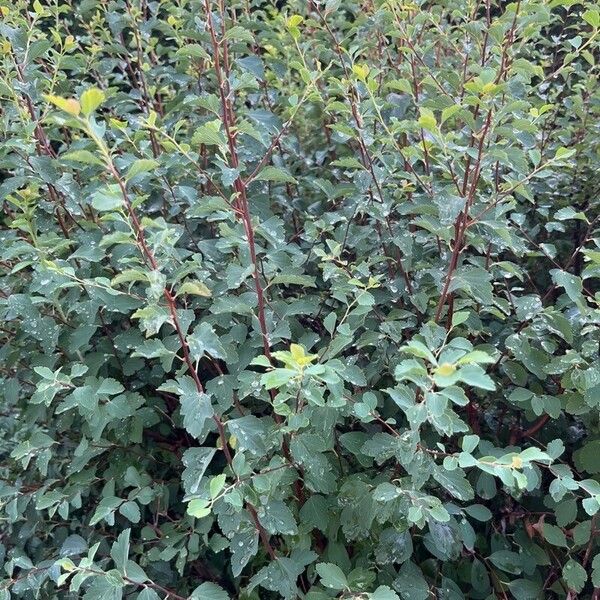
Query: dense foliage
[[300, 299]]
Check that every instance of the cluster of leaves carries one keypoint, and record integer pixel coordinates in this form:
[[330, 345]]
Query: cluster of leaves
[[299, 299]]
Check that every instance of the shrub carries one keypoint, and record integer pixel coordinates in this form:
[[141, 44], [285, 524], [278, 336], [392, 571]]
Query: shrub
[[300, 300]]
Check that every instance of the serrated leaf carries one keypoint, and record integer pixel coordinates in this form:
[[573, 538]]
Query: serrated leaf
[[196, 461], [68, 105], [195, 288], [383, 592], [216, 485], [204, 340], [209, 591], [131, 511], [142, 165], [119, 551], [90, 100], [277, 378], [198, 508], [83, 156], [274, 174], [108, 198], [332, 576], [210, 134], [575, 575], [410, 583]]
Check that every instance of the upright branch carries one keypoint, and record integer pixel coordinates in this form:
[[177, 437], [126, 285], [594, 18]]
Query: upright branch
[[241, 204], [365, 156], [462, 221], [149, 256], [221, 67], [472, 171]]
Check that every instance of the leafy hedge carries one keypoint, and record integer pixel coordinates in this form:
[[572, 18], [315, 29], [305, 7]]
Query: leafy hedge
[[299, 299]]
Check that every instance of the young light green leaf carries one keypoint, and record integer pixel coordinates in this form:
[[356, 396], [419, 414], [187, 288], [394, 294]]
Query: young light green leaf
[[90, 100]]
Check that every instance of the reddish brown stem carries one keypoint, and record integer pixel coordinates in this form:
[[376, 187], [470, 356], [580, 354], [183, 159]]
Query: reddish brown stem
[[149, 256], [264, 538], [536, 426], [460, 226], [239, 184], [242, 208]]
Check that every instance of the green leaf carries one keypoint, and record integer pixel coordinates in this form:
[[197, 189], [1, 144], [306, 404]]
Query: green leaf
[[108, 198], [68, 105], [290, 279], [277, 378], [455, 483], [148, 594], [410, 583], [74, 545], [196, 408], [575, 575], [394, 547], [210, 134], [192, 50], [90, 100], [332, 576], [508, 561], [244, 545], [383, 592], [104, 588], [427, 120], [120, 550], [475, 376], [142, 165], [274, 174], [361, 71], [198, 508], [469, 443], [239, 34], [476, 356], [458, 318], [554, 535], [131, 511], [251, 434], [83, 156], [480, 580], [596, 571], [196, 461], [417, 348], [276, 518], [571, 283], [592, 17], [204, 341], [586, 458], [308, 450], [209, 591], [347, 162], [195, 288], [564, 153], [216, 485], [525, 589], [479, 512], [106, 509]]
